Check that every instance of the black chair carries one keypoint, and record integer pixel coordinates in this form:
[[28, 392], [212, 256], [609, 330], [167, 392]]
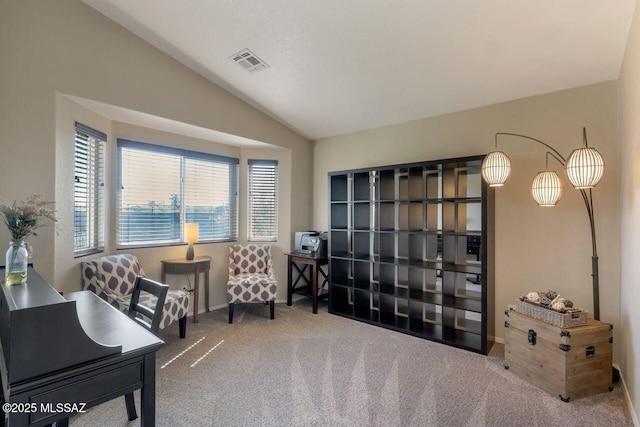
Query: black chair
[[158, 290]]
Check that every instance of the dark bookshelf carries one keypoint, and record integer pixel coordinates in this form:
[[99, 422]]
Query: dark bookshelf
[[411, 249]]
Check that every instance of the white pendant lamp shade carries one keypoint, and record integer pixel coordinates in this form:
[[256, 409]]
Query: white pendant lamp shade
[[547, 188], [496, 168], [585, 167]]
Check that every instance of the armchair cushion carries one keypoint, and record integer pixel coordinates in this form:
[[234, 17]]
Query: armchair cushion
[[256, 287]]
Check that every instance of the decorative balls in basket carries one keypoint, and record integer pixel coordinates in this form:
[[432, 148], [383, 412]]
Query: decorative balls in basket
[[549, 307]]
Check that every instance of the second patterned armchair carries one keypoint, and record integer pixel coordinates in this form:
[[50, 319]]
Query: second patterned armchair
[[251, 277]]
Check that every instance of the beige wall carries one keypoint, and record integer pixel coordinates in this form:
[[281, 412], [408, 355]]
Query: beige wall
[[535, 248], [66, 47], [629, 114]]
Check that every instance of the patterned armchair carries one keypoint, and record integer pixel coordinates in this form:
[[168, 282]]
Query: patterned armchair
[[113, 278], [251, 276]]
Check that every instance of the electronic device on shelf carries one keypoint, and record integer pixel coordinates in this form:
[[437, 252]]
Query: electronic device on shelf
[[310, 243]]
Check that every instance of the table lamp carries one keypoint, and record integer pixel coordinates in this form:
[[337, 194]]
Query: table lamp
[[191, 236]]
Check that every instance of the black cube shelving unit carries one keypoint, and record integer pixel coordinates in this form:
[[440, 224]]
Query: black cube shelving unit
[[411, 249]]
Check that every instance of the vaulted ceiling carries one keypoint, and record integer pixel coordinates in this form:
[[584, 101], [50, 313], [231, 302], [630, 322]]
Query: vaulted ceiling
[[339, 66]]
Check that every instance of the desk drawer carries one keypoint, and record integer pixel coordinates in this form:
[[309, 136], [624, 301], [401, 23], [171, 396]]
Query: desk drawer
[[186, 268], [92, 389]]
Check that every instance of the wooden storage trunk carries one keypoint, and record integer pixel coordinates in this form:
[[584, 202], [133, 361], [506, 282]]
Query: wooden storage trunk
[[568, 363]]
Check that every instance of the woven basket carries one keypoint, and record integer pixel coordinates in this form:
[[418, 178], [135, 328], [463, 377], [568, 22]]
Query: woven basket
[[571, 319]]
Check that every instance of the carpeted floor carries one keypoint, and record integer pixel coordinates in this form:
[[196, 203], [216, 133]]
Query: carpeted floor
[[323, 370]]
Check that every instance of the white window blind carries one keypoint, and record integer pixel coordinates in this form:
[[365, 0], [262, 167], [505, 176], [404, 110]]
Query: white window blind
[[263, 200], [88, 212], [209, 198], [161, 188]]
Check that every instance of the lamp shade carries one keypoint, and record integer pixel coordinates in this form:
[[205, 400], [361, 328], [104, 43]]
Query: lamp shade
[[585, 167], [191, 232], [547, 188], [496, 168]]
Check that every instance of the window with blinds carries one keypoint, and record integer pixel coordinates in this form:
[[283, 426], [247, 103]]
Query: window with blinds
[[163, 188], [263, 200], [88, 211]]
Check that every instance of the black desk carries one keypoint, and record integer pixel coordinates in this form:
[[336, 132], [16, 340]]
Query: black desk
[[107, 325], [80, 350], [316, 264]]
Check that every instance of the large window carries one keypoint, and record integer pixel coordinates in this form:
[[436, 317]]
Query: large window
[[88, 211], [263, 200], [163, 188]]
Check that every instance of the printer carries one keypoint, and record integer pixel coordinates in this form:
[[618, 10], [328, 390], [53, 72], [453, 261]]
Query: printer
[[310, 243]]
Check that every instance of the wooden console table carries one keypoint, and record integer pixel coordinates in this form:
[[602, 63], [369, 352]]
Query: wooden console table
[[316, 264], [199, 264]]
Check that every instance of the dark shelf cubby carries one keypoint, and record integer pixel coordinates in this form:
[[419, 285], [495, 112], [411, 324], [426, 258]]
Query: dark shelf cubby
[[361, 245], [361, 274], [361, 216], [339, 188], [416, 216], [386, 185], [340, 271], [416, 184], [339, 242], [386, 219], [362, 304], [340, 300], [361, 188], [402, 184], [387, 245], [402, 245], [340, 216]]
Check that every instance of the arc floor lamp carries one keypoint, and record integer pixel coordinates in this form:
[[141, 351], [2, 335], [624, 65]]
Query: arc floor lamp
[[584, 168]]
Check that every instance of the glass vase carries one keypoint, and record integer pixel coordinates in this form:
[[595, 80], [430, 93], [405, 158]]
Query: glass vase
[[15, 272]]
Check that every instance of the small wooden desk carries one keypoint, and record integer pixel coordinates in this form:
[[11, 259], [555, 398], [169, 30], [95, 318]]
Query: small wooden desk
[[199, 264], [316, 264]]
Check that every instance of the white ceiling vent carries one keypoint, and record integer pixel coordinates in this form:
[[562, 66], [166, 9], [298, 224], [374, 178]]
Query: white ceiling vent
[[249, 61]]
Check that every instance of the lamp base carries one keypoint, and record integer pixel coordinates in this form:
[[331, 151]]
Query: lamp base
[[190, 252]]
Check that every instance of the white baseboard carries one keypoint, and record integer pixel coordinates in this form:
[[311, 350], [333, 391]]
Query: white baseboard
[[219, 306], [215, 307], [497, 339], [632, 411]]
